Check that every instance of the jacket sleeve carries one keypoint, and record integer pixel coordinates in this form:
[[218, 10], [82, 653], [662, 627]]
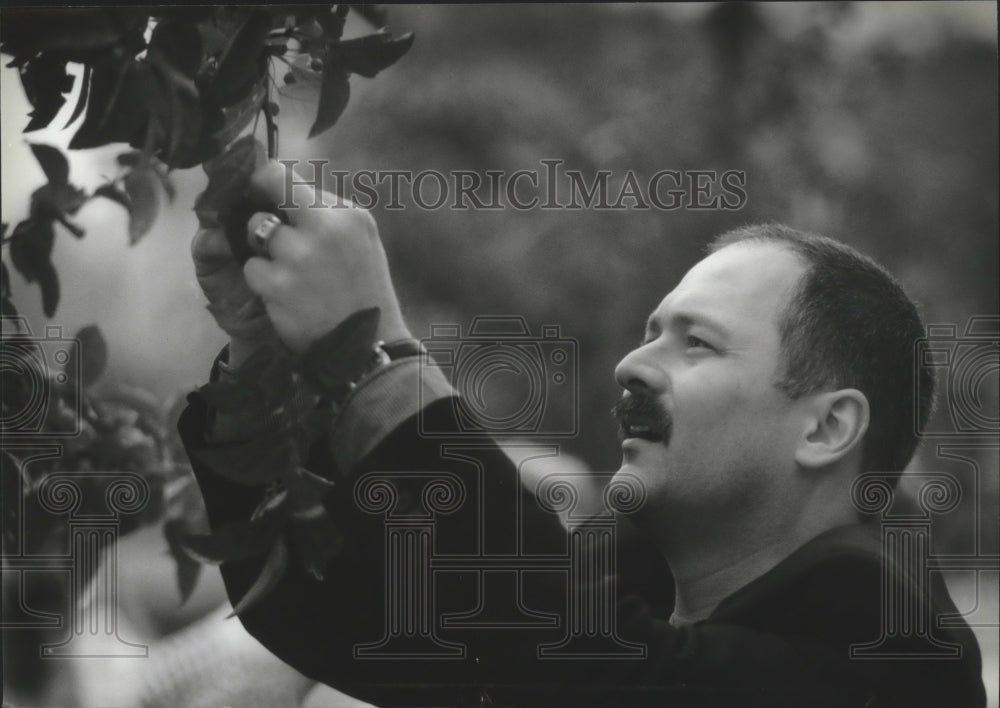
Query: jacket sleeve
[[388, 628]]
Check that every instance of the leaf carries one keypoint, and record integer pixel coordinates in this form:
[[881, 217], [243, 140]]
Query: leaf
[[375, 14], [234, 541], [270, 576], [110, 191], [341, 356], [229, 178], [239, 115], [4, 281], [45, 80], [31, 253], [258, 461], [54, 163], [76, 32], [116, 112], [306, 488], [140, 186], [167, 184], [182, 114], [54, 201], [93, 353], [333, 97], [188, 569], [228, 397], [332, 22], [7, 309], [369, 55], [317, 540], [240, 66], [81, 101], [180, 44]]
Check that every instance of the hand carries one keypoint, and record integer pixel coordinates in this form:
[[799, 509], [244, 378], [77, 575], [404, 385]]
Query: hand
[[237, 310], [327, 264]]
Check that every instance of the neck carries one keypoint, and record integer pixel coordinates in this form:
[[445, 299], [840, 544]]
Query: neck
[[701, 585], [713, 563]]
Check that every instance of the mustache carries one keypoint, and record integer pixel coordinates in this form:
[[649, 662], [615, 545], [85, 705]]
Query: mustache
[[641, 406]]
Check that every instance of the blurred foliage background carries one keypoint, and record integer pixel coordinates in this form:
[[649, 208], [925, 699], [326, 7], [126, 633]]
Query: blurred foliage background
[[875, 123]]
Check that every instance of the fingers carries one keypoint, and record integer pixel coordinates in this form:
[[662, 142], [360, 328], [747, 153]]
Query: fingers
[[210, 251], [263, 277], [297, 197], [281, 243]]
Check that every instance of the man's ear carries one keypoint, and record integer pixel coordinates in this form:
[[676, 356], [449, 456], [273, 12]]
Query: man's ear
[[836, 424]]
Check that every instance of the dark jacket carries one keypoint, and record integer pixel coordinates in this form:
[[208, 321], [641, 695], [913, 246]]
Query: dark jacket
[[783, 640]]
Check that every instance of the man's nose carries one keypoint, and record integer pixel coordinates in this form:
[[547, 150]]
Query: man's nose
[[639, 370]]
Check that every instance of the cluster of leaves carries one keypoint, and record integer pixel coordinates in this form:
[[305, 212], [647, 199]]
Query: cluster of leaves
[[177, 84], [120, 429], [301, 392]]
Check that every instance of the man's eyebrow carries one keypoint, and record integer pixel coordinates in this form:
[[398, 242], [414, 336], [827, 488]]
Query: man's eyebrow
[[685, 319]]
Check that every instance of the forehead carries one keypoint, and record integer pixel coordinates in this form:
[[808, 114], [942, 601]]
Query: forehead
[[739, 286]]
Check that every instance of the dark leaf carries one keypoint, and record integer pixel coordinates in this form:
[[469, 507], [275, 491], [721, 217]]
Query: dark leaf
[[45, 81], [4, 281], [53, 201], [228, 397], [110, 191], [140, 186], [72, 227], [240, 66], [235, 541], [7, 308], [229, 179], [3, 229], [306, 488], [258, 461], [48, 281], [332, 22], [130, 158], [180, 44], [31, 247], [239, 115], [270, 576], [93, 353], [188, 569], [166, 183], [369, 55], [333, 97], [317, 540], [81, 101], [116, 110], [54, 163], [76, 32], [341, 356], [375, 14], [181, 117]]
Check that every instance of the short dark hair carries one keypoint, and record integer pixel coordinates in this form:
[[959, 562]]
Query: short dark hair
[[849, 324]]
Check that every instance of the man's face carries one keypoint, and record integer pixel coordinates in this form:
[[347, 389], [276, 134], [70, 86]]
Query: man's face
[[703, 425]]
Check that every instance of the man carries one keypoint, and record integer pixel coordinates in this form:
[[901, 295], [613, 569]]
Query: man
[[777, 371]]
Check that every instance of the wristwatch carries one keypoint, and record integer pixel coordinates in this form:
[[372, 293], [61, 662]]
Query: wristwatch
[[383, 354]]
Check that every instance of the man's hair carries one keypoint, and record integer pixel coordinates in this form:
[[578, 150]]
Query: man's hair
[[849, 324]]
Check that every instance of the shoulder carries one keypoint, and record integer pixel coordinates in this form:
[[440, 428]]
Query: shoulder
[[875, 615]]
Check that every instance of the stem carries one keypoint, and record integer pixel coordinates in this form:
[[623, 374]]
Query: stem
[[272, 129]]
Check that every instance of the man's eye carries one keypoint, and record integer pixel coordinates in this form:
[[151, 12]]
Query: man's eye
[[696, 343]]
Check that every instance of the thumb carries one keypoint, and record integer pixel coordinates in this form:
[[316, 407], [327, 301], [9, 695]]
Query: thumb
[[298, 197]]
